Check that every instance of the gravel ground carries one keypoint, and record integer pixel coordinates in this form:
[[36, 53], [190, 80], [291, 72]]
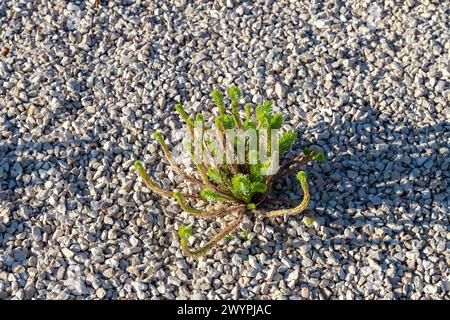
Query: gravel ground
[[81, 90]]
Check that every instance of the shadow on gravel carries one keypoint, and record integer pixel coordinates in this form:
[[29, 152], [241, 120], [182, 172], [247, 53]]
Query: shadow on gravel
[[40, 176], [388, 165], [385, 184], [63, 162]]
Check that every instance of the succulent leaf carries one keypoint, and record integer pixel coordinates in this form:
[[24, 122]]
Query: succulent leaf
[[258, 187], [185, 232], [158, 136], [308, 221], [255, 172], [214, 175], [218, 99], [234, 93], [181, 111], [277, 121], [228, 121], [248, 110], [199, 118], [242, 187], [307, 152], [318, 156], [249, 124], [211, 195], [287, 139]]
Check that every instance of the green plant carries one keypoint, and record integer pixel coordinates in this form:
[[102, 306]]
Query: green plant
[[229, 238], [245, 235], [242, 184]]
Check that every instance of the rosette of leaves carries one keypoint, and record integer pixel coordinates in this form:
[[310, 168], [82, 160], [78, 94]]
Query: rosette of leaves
[[236, 188]]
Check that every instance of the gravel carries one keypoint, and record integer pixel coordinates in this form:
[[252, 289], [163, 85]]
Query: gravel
[[81, 89]]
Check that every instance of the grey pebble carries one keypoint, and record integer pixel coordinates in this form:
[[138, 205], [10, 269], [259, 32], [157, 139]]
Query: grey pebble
[[78, 104]]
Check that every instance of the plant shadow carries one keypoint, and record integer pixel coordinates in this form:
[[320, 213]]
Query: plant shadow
[[389, 189], [57, 162]]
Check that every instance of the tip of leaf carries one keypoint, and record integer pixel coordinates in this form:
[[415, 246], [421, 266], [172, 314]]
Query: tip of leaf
[[228, 122], [234, 93], [177, 195], [319, 157], [157, 135], [179, 108], [218, 99], [249, 124], [306, 151], [184, 232], [277, 121], [204, 193], [248, 109], [251, 206], [137, 164], [217, 95], [302, 176], [199, 117], [308, 221]]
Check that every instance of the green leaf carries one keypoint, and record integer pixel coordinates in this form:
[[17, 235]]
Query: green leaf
[[248, 111], [287, 139], [251, 206], [258, 187], [178, 196], [307, 151], [138, 165], [318, 156], [211, 195], [229, 237], [199, 118], [242, 187], [185, 232], [184, 115], [255, 172], [264, 114], [181, 111], [219, 123], [308, 220], [214, 175], [214, 148], [258, 108], [158, 136], [267, 107], [225, 174], [277, 121], [249, 124], [252, 156], [236, 119], [218, 99], [224, 122], [234, 93], [302, 176], [228, 121], [263, 119], [245, 235]]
